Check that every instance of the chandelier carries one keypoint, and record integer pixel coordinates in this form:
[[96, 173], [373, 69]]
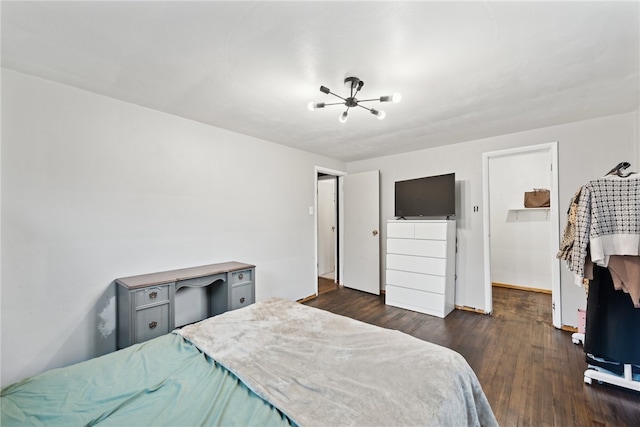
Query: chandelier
[[355, 85]]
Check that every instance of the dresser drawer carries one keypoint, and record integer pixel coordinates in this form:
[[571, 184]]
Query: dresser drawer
[[403, 230], [241, 276], [417, 230], [241, 296], [152, 295], [424, 302], [417, 281], [430, 248], [151, 322], [431, 230], [417, 264]]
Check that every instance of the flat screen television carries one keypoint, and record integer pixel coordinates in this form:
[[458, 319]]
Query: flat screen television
[[428, 196]]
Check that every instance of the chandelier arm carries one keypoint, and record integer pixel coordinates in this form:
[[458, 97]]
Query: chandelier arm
[[335, 103], [367, 100], [337, 96], [362, 106]]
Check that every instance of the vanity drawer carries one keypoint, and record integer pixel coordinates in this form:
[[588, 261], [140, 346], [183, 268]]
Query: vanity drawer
[[152, 295], [241, 276], [241, 296], [199, 282], [152, 322]]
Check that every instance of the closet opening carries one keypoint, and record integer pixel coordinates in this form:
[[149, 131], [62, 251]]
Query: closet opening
[[521, 242]]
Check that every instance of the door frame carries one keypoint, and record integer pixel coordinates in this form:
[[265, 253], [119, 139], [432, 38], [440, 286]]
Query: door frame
[[338, 174], [552, 148], [327, 212]]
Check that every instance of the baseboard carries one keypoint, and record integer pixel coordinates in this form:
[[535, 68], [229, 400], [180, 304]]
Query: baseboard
[[472, 309], [520, 288], [305, 299]]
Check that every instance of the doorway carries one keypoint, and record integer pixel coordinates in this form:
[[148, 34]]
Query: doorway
[[520, 243], [327, 228], [357, 236]]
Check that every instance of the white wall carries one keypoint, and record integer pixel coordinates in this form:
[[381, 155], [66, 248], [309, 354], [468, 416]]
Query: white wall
[[94, 189], [520, 240], [636, 166], [586, 150]]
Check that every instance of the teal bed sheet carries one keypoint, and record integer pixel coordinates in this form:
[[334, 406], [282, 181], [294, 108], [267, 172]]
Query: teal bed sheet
[[162, 382]]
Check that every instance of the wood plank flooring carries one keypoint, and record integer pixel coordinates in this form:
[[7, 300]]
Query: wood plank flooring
[[531, 372], [326, 285]]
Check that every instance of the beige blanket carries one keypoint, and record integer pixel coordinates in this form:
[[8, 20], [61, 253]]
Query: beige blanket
[[322, 369]]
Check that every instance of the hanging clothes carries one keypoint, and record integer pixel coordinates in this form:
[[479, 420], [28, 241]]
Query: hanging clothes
[[606, 246], [568, 237], [612, 329], [625, 272], [607, 222]]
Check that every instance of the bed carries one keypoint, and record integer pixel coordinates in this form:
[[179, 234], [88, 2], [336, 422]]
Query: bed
[[273, 363]]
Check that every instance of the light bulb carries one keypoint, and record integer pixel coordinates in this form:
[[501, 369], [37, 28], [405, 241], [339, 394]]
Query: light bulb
[[313, 105], [343, 117], [395, 98], [379, 114]]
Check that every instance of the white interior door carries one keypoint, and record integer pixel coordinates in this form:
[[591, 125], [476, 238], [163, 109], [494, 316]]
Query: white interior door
[[361, 210], [326, 227]]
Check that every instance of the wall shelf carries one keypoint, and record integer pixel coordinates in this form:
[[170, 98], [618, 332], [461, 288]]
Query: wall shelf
[[518, 210]]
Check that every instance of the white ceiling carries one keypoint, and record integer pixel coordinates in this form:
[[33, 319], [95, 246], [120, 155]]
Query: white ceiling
[[466, 70]]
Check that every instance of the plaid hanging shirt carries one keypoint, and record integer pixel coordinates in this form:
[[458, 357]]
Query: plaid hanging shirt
[[607, 222]]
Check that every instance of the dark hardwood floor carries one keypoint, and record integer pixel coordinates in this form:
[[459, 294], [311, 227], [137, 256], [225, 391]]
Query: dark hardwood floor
[[531, 372], [326, 285]]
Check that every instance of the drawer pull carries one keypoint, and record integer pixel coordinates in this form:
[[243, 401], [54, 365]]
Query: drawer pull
[[153, 295], [241, 300], [153, 325], [240, 276]]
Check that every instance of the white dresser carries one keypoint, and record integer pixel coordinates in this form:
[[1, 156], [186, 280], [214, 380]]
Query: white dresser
[[421, 265]]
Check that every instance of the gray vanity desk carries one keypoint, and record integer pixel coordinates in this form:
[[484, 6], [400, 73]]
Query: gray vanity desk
[[146, 303]]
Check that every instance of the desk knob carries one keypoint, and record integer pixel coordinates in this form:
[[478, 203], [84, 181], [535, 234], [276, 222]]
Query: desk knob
[[240, 276], [153, 325], [242, 300]]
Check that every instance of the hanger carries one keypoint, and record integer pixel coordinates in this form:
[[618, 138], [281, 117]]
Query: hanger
[[619, 170]]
